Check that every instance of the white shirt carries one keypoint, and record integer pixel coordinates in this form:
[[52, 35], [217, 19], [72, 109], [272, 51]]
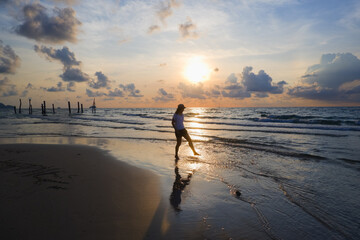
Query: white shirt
[[179, 121]]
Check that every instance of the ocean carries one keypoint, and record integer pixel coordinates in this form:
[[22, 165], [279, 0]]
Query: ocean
[[275, 173]]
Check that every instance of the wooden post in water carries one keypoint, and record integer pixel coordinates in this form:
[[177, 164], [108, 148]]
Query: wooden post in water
[[15, 109], [30, 107], [53, 108], [44, 108], [20, 106], [69, 107], [78, 107], [82, 109]]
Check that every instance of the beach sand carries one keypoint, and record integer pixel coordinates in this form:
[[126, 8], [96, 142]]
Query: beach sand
[[74, 192]]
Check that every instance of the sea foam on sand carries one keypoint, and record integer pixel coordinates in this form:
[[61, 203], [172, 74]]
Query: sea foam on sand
[[73, 192]]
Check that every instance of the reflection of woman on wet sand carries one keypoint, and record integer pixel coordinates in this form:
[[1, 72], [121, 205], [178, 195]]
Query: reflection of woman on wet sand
[[178, 187], [180, 131]]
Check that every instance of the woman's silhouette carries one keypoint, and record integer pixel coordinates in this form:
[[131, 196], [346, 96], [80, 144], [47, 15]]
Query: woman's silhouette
[[180, 131]]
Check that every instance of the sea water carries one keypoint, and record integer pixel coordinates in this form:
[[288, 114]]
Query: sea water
[[294, 172]]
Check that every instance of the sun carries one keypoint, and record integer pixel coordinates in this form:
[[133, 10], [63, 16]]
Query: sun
[[197, 70]]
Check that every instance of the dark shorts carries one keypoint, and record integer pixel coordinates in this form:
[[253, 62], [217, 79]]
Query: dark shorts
[[181, 133]]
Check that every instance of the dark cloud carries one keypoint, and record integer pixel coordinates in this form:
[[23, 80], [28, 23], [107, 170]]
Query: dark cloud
[[101, 82], [248, 83], [90, 93], [29, 86], [69, 86], [260, 82], [74, 75], [235, 91], [188, 30], [59, 88], [10, 91], [7, 89], [335, 78], [38, 25], [163, 96], [131, 90], [71, 70], [24, 93], [192, 90], [9, 61], [5, 81], [214, 93], [69, 2], [64, 55], [334, 70], [116, 93]]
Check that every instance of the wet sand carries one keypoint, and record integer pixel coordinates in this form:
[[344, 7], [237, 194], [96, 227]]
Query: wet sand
[[75, 192]]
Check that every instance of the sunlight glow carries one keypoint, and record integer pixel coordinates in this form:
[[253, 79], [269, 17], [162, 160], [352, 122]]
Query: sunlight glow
[[197, 70]]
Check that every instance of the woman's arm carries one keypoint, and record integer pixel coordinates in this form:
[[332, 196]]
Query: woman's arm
[[173, 122]]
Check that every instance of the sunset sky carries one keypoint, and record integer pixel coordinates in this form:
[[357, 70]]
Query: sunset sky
[[203, 53]]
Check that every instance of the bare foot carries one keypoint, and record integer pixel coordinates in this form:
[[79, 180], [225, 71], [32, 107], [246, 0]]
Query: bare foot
[[196, 154]]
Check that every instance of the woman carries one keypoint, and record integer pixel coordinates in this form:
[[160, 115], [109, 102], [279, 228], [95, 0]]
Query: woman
[[180, 131]]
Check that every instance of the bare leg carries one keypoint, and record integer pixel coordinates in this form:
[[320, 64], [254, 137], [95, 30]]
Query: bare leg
[[178, 143], [188, 138]]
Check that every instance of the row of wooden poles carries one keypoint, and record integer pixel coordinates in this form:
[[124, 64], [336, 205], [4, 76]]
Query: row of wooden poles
[[43, 108]]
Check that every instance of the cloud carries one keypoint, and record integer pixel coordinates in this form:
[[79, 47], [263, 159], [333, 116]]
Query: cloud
[[260, 82], [24, 93], [69, 2], [335, 78], [116, 93], [64, 55], [214, 93], [131, 90], [165, 10], [69, 86], [38, 25], [71, 70], [29, 86], [235, 91], [163, 96], [192, 90], [4, 82], [59, 88], [101, 82], [9, 61], [333, 70], [10, 91], [188, 30], [7, 89], [231, 79], [248, 83], [90, 93], [74, 74], [153, 28]]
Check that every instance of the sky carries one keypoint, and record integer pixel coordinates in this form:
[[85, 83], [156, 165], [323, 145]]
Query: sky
[[159, 53]]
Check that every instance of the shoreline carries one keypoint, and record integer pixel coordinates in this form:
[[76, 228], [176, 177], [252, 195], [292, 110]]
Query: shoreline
[[74, 192]]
